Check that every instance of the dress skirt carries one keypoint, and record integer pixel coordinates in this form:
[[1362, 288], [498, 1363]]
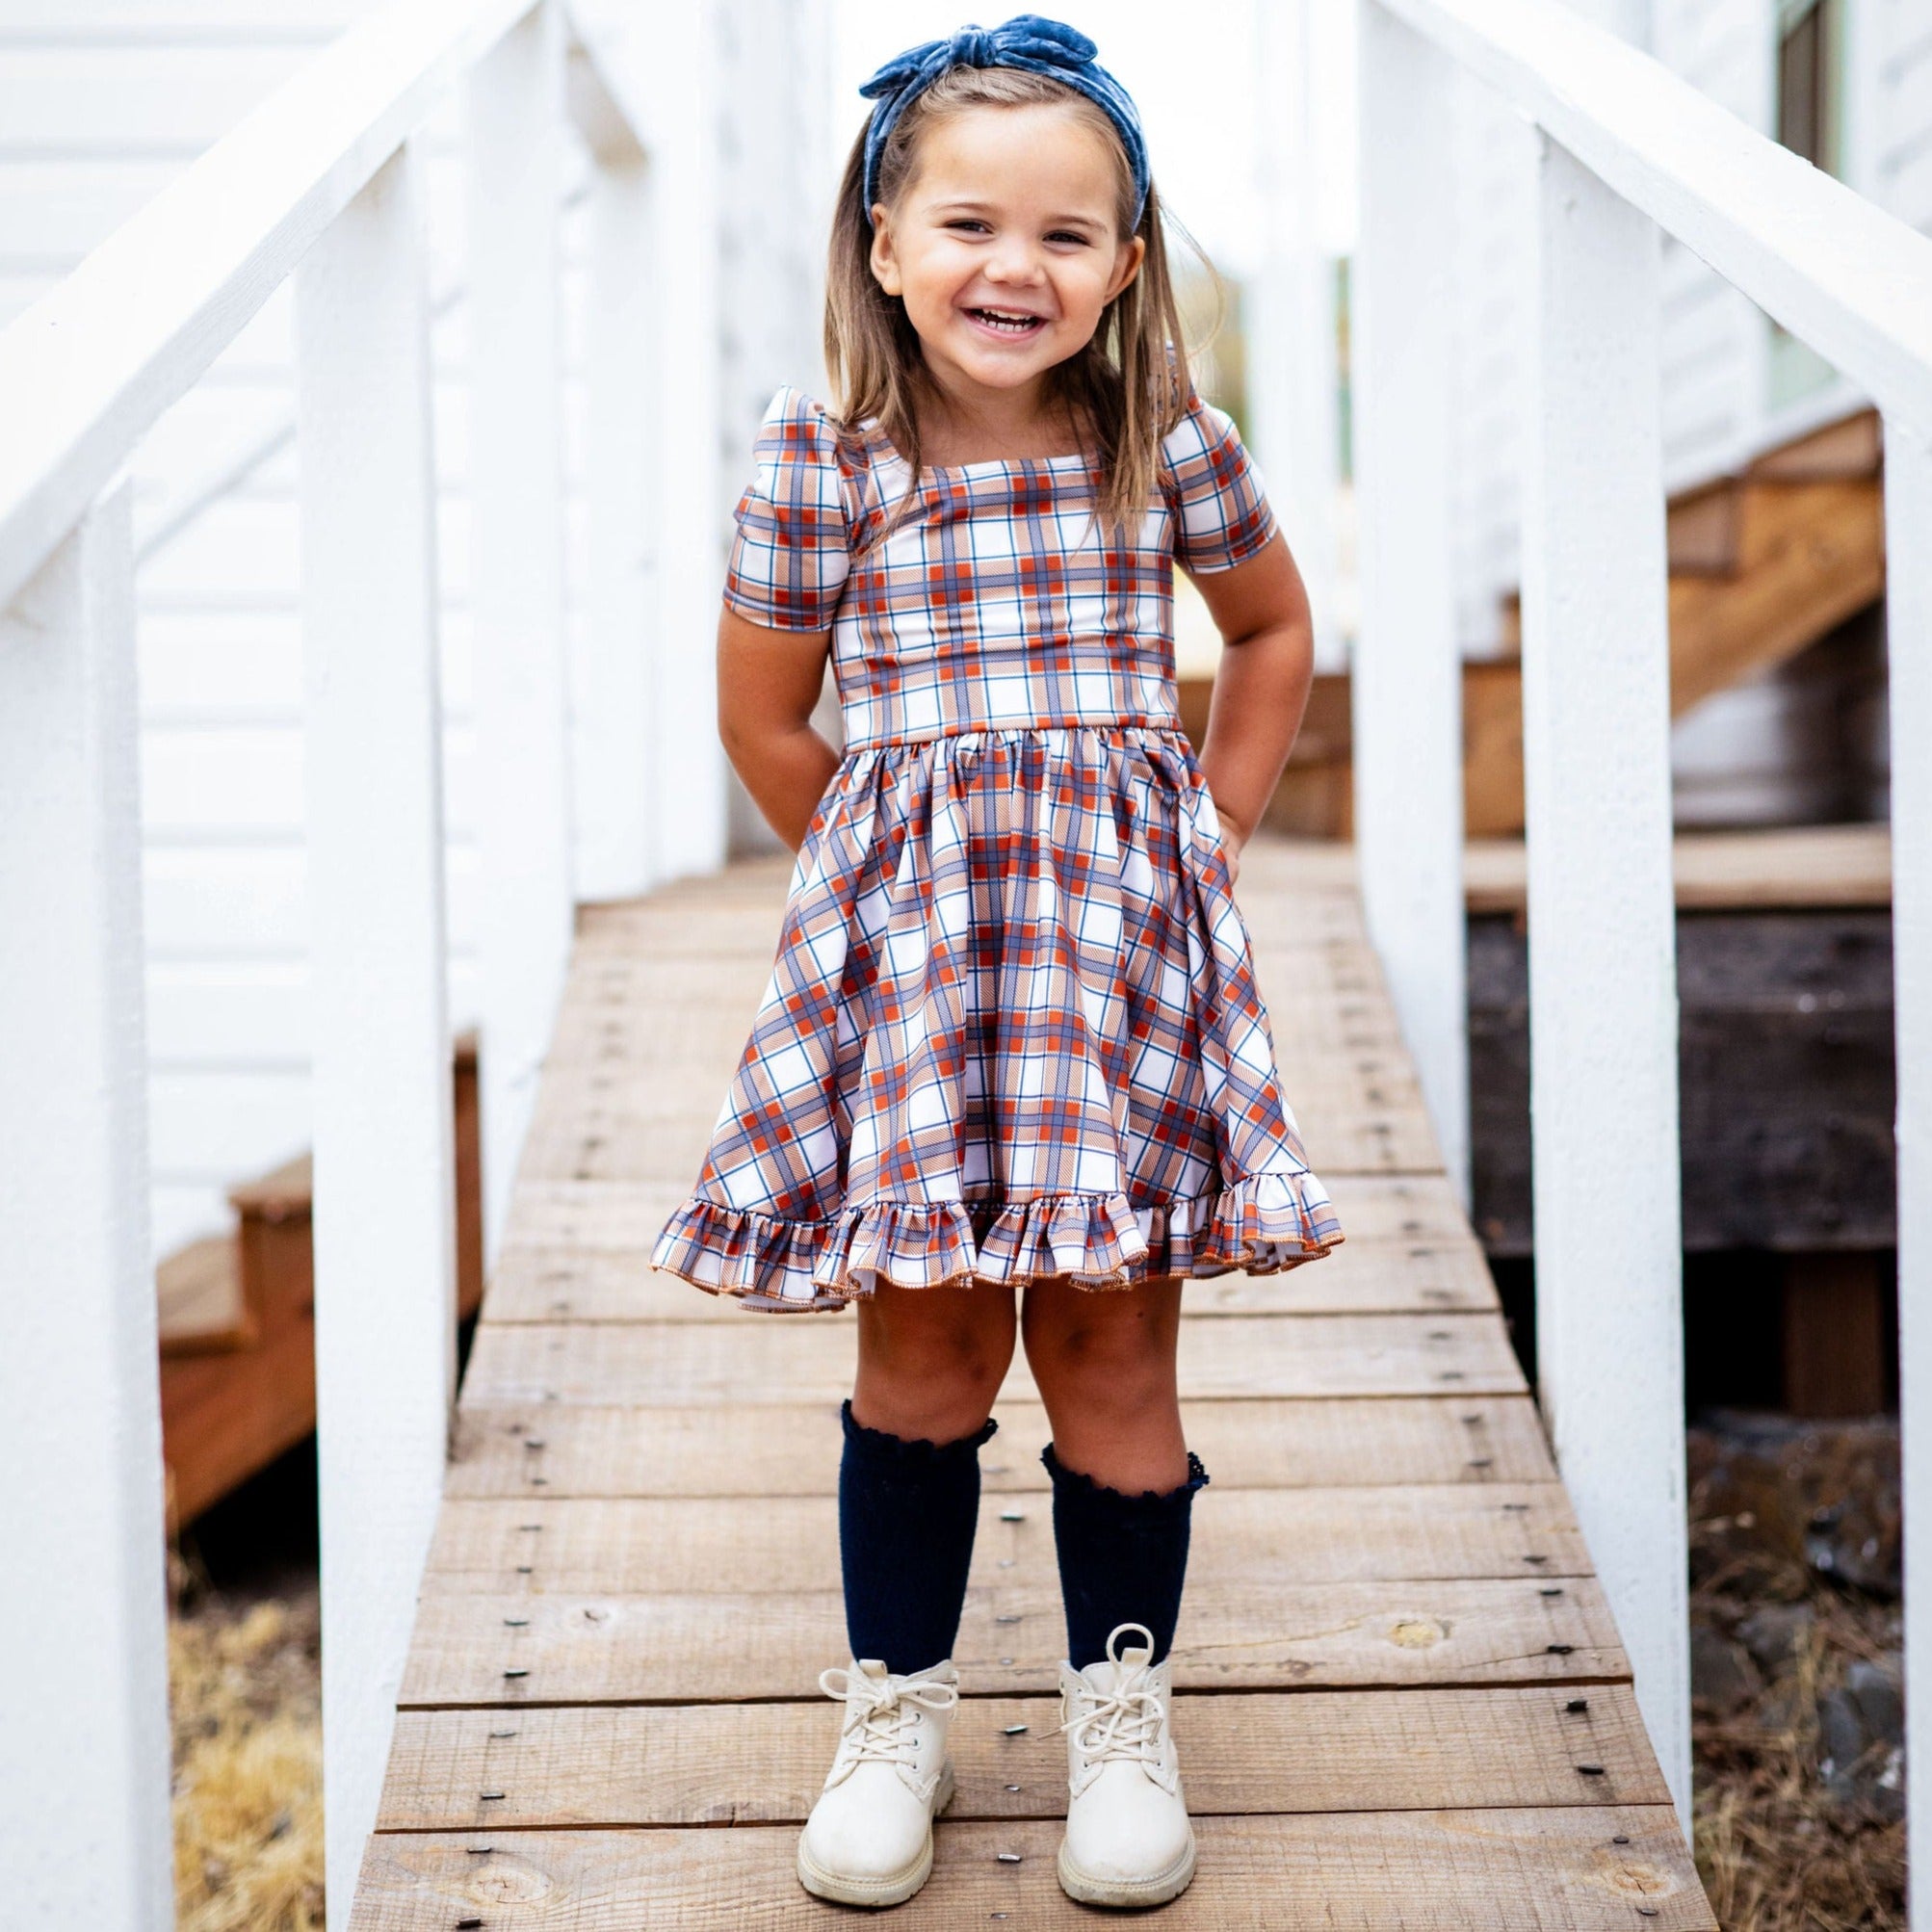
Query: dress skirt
[[1012, 1030]]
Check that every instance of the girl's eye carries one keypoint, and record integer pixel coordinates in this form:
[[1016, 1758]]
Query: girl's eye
[[965, 221], [1063, 236]]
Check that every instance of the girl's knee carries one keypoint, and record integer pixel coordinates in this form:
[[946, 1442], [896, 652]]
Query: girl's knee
[[929, 1368], [1125, 1349]]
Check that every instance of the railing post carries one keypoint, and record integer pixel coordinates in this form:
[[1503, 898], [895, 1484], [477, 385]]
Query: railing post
[[1908, 617], [611, 736], [687, 808], [516, 104], [1407, 677], [84, 1836], [1602, 987], [385, 1187], [1290, 337]]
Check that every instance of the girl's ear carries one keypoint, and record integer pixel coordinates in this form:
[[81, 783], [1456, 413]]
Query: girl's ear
[[884, 262], [1127, 264]]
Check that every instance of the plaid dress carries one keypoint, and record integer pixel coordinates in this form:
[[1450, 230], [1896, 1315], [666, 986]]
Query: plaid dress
[[1012, 1029]]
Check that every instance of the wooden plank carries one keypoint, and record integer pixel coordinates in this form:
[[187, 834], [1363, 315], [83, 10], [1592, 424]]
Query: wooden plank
[[619, 1215], [791, 1358], [534, 1284], [1242, 1753], [794, 1449], [1794, 868], [739, 1546], [603, 1648], [1571, 1868]]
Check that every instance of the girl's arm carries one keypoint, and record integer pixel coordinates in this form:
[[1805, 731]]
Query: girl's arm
[[767, 683], [1260, 608]]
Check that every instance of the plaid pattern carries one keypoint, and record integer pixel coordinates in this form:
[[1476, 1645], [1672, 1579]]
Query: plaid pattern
[[1012, 1029]]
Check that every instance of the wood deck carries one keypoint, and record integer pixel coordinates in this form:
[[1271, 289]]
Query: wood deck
[[1420, 1713]]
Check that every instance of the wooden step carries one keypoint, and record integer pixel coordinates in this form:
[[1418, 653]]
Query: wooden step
[[238, 1328], [1762, 565], [202, 1308]]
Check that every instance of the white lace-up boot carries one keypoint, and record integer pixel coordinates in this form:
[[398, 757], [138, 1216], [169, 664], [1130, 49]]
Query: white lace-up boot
[[1127, 1840], [869, 1839]]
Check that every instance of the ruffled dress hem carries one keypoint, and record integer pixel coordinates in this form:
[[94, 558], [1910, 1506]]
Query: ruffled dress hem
[[1261, 1223]]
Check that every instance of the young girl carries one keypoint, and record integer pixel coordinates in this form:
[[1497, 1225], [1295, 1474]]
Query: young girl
[[1012, 1038]]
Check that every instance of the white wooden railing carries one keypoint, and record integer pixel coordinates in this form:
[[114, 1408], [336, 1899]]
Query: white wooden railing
[[1625, 150], [324, 185]]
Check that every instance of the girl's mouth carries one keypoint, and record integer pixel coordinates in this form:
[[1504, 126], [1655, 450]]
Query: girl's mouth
[[1009, 324]]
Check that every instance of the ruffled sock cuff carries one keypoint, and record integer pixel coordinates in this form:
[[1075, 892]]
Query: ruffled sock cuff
[[1098, 1496], [906, 1452]]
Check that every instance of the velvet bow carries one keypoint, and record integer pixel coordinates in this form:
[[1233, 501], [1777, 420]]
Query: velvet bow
[[1029, 41]]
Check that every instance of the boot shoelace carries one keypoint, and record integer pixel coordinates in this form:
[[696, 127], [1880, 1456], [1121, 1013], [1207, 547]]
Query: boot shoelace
[[885, 1705], [1124, 1722]]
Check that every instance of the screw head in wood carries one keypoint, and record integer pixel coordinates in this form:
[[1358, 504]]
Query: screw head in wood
[[1008, 1857], [1014, 1729], [1577, 1704]]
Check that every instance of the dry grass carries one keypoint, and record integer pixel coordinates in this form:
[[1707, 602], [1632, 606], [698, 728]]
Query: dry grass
[[248, 1767], [1775, 1853]]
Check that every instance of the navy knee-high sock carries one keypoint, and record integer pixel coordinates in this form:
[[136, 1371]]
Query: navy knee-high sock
[[1123, 1558], [907, 1510]]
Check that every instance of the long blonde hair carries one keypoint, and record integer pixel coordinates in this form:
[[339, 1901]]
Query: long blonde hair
[[1129, 385]]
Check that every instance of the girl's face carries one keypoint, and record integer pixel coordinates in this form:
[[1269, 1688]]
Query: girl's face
[[1003, 247]]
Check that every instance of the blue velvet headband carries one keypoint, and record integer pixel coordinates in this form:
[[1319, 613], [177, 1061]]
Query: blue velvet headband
[[1027, 42]]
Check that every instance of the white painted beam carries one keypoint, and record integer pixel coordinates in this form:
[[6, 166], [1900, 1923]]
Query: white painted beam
[[86, 372], [383, 1138], [1293, 374], [1837, 271], [1908, 599], [515, 126], [687, 808], [1407, 688], [85, 1836], [613, 737], [1603, 986]]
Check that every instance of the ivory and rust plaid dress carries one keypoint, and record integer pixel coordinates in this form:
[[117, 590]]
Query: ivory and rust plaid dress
[[1012, 1029]]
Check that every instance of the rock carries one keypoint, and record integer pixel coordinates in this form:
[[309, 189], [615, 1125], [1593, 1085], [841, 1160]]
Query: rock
[[1878, 1693], [1768, 1490], [1861, 1743], [1774, 1632], [1722, 1674]]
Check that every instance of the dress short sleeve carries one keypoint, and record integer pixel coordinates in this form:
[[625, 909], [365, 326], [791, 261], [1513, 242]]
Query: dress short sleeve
[[1220, 507], [791, 551]]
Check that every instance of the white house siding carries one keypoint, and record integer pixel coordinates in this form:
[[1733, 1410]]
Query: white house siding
[[103, 102], [1898, 91], [1495, 152], [775, 189], [1715, 346]]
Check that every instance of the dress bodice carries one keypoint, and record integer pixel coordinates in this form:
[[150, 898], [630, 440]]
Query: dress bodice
[[997, 600]]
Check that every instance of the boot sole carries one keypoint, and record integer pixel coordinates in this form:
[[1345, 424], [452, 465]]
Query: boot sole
[[1158, 1889], [892, 1888]]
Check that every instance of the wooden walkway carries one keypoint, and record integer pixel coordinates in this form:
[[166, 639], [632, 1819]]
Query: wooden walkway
[[1421, 1715]]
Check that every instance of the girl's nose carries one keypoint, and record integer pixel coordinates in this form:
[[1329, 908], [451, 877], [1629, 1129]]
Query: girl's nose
[[1015, 262]]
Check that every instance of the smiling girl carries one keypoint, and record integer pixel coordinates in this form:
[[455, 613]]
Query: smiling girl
[[1012, 1075]]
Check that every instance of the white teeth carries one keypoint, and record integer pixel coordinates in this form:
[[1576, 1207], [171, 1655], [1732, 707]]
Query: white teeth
[[1007, 319]]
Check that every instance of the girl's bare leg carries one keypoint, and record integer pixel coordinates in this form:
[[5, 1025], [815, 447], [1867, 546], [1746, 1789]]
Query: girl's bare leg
[[1105, 1365], [931, 1359]]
